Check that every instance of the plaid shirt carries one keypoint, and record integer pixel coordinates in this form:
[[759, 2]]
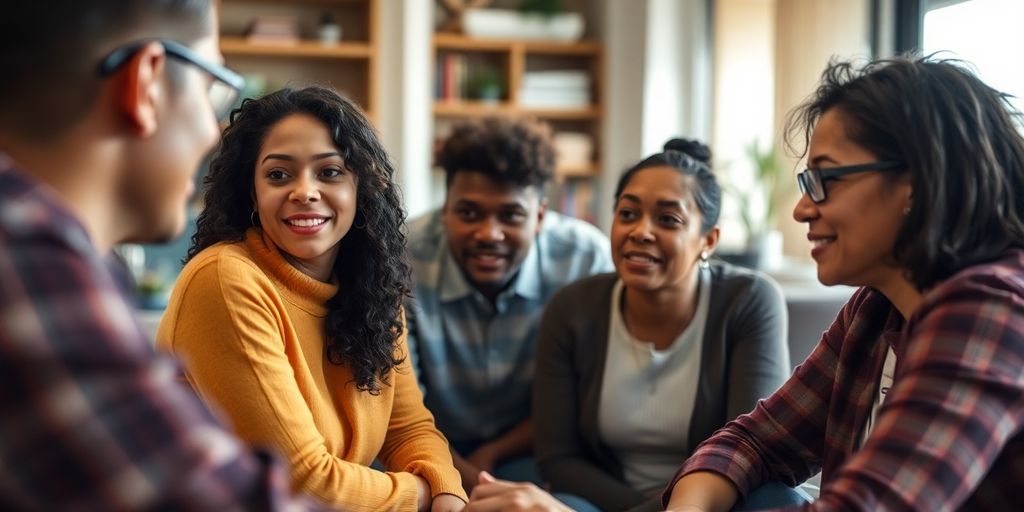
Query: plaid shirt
[[92, 420], [948, 436], [475, 360]]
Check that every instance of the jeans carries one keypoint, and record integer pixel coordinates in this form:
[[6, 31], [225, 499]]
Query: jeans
[[774, 495]]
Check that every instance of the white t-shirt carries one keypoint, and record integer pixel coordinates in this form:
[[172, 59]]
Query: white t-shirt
[[647, 395], [884, 384]]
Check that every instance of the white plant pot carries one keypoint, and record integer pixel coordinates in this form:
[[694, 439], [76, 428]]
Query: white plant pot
[[508, 24]]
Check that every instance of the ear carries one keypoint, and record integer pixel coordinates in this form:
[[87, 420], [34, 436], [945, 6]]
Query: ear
[[711, 240], [542, 208], [140, 86]]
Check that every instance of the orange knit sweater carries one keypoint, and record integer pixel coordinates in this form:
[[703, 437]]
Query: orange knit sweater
[[250, 330]]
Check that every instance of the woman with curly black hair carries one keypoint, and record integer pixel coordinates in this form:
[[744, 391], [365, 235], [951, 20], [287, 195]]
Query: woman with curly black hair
[[288, 312]]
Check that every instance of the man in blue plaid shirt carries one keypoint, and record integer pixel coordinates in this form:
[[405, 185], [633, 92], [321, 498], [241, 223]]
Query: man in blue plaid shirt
[[106, 109], [484, 266]]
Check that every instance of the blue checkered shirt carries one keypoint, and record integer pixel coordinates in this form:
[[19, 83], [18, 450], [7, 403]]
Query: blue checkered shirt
[[474, 360]]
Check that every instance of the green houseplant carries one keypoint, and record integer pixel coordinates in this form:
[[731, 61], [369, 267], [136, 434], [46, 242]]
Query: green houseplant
[[758, 208], [487, 84]]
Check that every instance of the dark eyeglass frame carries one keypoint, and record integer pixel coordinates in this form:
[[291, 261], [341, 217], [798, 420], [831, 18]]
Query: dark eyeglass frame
[[806, 178], [119, 56]]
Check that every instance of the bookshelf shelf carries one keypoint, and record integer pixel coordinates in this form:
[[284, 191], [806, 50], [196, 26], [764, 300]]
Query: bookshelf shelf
[[469, 108], [444, 41], [230, 45], [588, 171]]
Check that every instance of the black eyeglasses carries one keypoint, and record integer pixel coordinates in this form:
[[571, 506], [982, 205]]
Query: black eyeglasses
[[224, 90], [812, 181]]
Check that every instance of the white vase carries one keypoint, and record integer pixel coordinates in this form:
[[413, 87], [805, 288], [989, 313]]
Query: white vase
[[509, 24]]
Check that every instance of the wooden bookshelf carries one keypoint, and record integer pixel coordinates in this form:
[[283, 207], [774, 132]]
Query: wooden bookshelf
[[351, 66], [232, 46]]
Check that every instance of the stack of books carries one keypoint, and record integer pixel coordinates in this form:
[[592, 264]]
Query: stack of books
[[450, 77], [555, 89], [273, 30]]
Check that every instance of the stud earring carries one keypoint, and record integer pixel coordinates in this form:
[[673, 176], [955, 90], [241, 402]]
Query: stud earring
[[704, 259], [906, 210]]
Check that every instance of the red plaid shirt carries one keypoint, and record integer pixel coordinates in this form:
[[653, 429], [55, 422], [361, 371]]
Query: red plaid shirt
[[92, 419], [948, 436]]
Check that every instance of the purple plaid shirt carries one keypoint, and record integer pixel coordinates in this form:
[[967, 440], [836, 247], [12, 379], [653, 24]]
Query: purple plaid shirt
[[92, 419], [948, 436]]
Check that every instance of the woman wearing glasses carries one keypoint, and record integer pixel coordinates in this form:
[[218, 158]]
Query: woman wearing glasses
[[288, 313], [635, 368], [914, 398]]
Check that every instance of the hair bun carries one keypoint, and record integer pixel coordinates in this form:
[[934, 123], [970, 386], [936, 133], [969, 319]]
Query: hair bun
[[692, 148]]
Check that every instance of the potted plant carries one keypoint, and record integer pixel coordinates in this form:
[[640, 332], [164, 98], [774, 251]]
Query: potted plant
[[758, 207], [486, 84], [152, 291]]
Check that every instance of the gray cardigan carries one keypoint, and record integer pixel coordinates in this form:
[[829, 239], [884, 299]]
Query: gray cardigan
[[744, 357]]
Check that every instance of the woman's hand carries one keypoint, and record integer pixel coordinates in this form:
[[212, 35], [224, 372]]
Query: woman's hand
[[447, 503], [423, 499], [702, 491], [498, 495]]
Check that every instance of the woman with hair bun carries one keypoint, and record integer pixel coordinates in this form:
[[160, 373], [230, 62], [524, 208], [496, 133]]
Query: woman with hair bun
[[635, 368]]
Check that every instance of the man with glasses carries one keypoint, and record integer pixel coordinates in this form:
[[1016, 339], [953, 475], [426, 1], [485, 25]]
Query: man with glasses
[[106, 110]]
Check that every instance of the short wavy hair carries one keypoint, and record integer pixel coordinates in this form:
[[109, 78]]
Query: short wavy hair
[[507, 150], [364, 317], [957, 139]]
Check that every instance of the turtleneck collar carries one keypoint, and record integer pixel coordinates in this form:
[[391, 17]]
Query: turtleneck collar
[[298, 288]]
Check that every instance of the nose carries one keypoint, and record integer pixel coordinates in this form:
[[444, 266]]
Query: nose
[[641, 231], [805, 209], [490, 231], [304, 190]]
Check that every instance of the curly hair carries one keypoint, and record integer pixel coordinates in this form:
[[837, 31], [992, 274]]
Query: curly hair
[[507, 150], [956, 138], [691, 158], [363, 320]]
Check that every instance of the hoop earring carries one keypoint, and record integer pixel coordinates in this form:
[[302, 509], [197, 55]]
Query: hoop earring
[[357, 226], [254, 219]]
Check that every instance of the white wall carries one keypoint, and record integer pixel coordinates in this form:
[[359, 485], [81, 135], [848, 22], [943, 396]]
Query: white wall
[[657, 77], [744, 105], [404, 117]]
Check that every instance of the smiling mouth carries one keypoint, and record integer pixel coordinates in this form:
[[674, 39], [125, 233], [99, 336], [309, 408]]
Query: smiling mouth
[[305, 223], [821, 242]]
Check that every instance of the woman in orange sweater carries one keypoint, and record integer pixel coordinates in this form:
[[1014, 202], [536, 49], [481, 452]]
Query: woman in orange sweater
[[288, 313]]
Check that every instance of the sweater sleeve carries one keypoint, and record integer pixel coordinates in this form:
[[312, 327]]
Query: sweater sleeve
[[560, 451], [413, 444], [759, 360], [226, 327]]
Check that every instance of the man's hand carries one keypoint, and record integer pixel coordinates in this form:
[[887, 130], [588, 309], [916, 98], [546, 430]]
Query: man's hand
[[491, 494], [484, 458]]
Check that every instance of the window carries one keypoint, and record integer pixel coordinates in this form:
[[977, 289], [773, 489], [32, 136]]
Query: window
[[986, 33]]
